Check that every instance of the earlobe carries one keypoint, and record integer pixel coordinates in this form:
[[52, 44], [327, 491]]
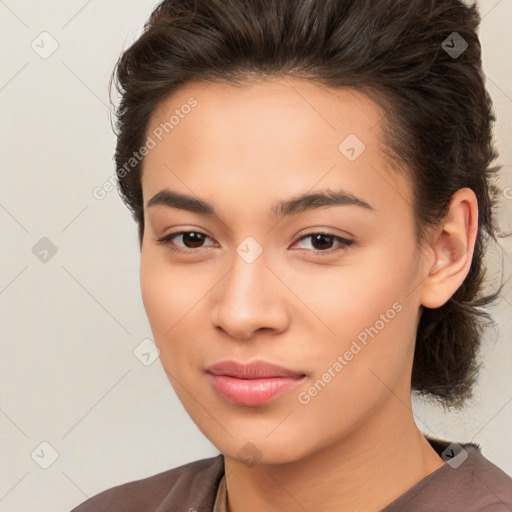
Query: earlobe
[[453, 250]]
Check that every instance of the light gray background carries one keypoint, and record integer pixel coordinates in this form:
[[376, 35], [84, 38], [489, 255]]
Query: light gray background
[[69, 376]]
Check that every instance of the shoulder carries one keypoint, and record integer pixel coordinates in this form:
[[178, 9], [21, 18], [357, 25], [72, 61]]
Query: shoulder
[[488, 485], [190, 487], [467, 482]]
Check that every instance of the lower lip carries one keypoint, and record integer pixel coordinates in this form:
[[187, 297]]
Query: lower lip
[[252, 392]]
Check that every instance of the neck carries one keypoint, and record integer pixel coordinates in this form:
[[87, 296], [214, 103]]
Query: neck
[[366, 470]]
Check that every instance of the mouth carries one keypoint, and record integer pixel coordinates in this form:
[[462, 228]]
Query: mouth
[[252, 384]]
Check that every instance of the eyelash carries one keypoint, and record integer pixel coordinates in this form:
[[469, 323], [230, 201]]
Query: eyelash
[[167, 241]]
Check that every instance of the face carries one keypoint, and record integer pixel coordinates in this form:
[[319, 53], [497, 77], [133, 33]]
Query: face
[[325, 288]]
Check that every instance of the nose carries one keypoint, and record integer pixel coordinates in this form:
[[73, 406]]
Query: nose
[[248, 299]]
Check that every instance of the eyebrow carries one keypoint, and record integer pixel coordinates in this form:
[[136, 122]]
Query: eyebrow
[[298, 204]]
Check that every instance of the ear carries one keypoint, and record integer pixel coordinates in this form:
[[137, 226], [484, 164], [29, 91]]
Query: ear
[[452, 246]]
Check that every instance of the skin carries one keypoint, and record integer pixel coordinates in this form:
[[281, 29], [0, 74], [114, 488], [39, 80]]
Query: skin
[[355, 445]]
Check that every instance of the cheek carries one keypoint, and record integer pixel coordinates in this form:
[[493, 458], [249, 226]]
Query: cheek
[[371, 331], [156, 295], [172, 296], [358, 368], [162, 291], [168, 292], [353, 296], [367, 314]]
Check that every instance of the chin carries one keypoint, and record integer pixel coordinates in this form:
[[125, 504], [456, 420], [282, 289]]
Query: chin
[[260, 450]]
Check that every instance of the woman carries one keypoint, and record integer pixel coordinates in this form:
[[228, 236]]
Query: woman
[[311, 181]]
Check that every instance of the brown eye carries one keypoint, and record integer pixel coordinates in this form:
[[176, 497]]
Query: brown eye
[[322, 242], [190, 240]]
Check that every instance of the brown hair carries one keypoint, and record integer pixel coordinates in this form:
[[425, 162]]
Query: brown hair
[[438, 121]]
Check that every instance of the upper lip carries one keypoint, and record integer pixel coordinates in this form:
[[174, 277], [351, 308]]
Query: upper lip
[[254, 370]]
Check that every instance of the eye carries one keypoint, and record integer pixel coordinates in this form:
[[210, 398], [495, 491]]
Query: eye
[[195, 239], [191, 239], [321, 240]]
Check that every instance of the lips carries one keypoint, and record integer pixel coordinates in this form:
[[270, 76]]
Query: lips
[[252, 384], [255, 370]]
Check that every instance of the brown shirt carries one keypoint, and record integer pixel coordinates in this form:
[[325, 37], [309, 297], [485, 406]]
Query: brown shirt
[[467, 482]]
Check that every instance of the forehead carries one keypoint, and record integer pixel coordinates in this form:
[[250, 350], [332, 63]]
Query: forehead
[[279, 131], [269, 108]]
